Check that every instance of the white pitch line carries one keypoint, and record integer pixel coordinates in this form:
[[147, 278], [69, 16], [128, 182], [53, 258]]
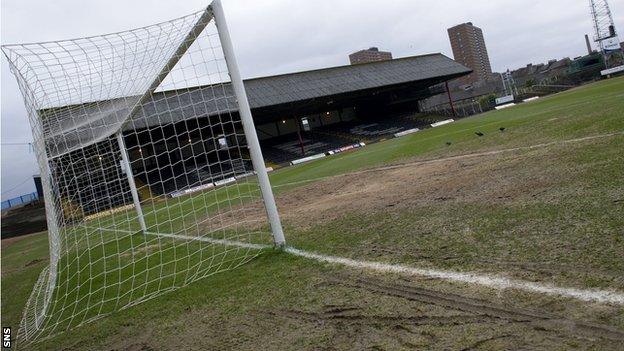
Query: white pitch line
[[499, 283], [213, 241], [490, 281]]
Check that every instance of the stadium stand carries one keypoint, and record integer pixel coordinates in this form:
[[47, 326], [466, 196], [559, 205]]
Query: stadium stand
[[343, 106]]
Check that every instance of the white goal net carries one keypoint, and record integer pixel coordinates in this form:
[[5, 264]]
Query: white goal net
[[151, 169]]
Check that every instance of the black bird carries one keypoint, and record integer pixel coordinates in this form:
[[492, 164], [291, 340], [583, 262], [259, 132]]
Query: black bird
[[502, 129], [479, 134], [448, 143]]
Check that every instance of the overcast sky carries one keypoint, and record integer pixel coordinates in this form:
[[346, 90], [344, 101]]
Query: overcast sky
[[279, 36]]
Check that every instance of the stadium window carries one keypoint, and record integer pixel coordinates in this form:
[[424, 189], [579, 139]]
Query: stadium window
[[223, 144], [306, 124]]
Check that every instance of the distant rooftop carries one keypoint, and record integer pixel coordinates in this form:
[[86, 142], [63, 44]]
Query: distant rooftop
[[371, 54], [463, 25]]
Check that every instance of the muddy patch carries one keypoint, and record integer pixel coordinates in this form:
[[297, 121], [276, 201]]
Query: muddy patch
[[33, 262], [483, 179], [488, 179], [538, 319], [142, 250]]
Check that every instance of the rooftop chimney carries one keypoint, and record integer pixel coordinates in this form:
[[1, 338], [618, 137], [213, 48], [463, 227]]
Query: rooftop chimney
[[589, 48]]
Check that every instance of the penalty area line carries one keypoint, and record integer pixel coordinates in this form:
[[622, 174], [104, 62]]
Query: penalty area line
[[495, 282], [224, 242]]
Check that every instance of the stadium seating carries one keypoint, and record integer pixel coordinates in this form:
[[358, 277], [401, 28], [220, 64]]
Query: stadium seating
[[165, 181], [320, 140], [375, 130], [289, 148]]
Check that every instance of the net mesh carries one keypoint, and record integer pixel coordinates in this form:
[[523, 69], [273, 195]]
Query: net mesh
[[150, 109]]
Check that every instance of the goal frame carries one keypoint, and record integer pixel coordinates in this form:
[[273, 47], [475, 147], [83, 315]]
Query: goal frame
[[214, 12], [248, 124]]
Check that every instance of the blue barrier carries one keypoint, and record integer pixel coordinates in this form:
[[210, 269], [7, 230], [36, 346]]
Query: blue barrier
[[20, 200]]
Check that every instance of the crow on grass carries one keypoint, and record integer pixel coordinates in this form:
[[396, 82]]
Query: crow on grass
[[479, 134], [502, 129]]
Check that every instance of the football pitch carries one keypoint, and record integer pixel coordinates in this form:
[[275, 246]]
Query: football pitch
[[538, 198]]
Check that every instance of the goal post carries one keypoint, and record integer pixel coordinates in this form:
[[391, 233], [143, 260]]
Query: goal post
[[248, 124], [127, 169], [146, 131]]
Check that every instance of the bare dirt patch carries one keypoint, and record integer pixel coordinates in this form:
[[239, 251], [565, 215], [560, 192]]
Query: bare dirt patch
[[33, 262], [508, 176], [489, 178], [141, 250], [538, 319]]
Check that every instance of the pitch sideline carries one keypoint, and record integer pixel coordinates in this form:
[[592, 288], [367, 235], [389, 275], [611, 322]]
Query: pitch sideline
[[490, 281]]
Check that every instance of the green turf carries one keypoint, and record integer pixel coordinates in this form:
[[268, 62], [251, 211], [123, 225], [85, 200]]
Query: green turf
[[591, 110]]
